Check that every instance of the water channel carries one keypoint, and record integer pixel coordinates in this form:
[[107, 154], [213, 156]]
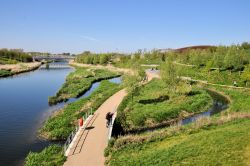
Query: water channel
[[24, 107]]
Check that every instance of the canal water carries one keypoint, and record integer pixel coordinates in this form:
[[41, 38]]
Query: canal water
[[220, 103], [23, 108]]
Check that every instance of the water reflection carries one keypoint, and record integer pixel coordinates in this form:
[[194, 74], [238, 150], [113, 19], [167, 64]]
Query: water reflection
[[23, 109]]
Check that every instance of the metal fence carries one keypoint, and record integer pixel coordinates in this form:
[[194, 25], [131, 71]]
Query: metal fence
[[73, 133]]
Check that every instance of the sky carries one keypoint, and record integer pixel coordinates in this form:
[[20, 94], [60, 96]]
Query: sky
[[121, 25]]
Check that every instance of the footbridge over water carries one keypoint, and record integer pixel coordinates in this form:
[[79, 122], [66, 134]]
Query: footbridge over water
[[53, 58], [54, 66]]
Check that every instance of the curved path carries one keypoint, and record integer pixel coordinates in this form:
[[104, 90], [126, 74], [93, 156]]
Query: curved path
[[89, 147]]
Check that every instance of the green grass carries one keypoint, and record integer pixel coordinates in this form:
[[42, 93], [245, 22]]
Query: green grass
[[50, 156], [60, 126], [240, 98], [216, 77], [7, 61], [148, 108], [4, 73], [78, 82], [226, 144]]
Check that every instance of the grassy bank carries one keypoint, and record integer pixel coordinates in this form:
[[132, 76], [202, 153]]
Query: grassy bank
[[59, 126], [50, 156], [215, 144], [5, 73], [240, 98], [223, 77], [79, 81], [12, 69], [154, 104]]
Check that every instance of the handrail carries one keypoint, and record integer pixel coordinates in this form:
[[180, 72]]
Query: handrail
[[111, 123], [73, 133]]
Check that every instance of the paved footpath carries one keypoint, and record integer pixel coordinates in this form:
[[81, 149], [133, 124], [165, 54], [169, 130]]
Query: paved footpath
[[89, 146]]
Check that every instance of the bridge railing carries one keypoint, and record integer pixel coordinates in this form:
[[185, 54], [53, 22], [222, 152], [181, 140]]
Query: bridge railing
[[77, 127], [111, 123]]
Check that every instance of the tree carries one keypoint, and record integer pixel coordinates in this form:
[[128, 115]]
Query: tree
[[132, 82], [245, 45], [218, 57], [169, 73], [96, 59], [209, 65], [246, 75], [229, 59], [104, 59]]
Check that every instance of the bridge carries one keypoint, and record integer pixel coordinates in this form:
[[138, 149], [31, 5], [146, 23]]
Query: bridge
[[53, 58], [49, 66]]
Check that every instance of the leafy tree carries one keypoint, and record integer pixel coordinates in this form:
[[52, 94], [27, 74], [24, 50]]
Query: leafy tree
[[209, 65], [245, 45], [15, 55], [218, 57], [96, 59], [246, 75], [169, 73], [104, 59]]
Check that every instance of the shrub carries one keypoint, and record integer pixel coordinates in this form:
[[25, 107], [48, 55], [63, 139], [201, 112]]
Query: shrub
[[50, 156]]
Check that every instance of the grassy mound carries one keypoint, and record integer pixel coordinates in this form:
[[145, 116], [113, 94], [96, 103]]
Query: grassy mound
[[225, 144], [50, 156], [59, 127], [224, 77], [78, 82], [154, 104]]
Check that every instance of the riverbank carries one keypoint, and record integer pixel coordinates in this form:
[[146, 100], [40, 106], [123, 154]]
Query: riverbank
[[24, 108], [80, 81], [203, 143], [107, 67], [59, 126], [13, 69]]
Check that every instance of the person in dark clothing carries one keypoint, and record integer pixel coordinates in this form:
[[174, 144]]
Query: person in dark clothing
[[109, 118]]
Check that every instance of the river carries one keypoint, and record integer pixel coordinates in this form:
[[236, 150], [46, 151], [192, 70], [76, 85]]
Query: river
[[23, 108]]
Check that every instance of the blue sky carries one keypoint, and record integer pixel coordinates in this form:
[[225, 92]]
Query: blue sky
[[121, 25]]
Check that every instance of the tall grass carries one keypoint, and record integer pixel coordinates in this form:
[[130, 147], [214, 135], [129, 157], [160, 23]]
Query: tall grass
[[212, 144], [58, 127], [78, 82], [141, 113], [50, 156]]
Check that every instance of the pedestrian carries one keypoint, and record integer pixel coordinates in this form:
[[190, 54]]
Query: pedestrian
[[235, 83], [109, 116]]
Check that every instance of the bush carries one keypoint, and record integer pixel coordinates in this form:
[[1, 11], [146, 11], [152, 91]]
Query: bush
[[50, 156]]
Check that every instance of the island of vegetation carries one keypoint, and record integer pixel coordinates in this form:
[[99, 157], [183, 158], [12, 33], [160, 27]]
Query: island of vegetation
[[149, 119]]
